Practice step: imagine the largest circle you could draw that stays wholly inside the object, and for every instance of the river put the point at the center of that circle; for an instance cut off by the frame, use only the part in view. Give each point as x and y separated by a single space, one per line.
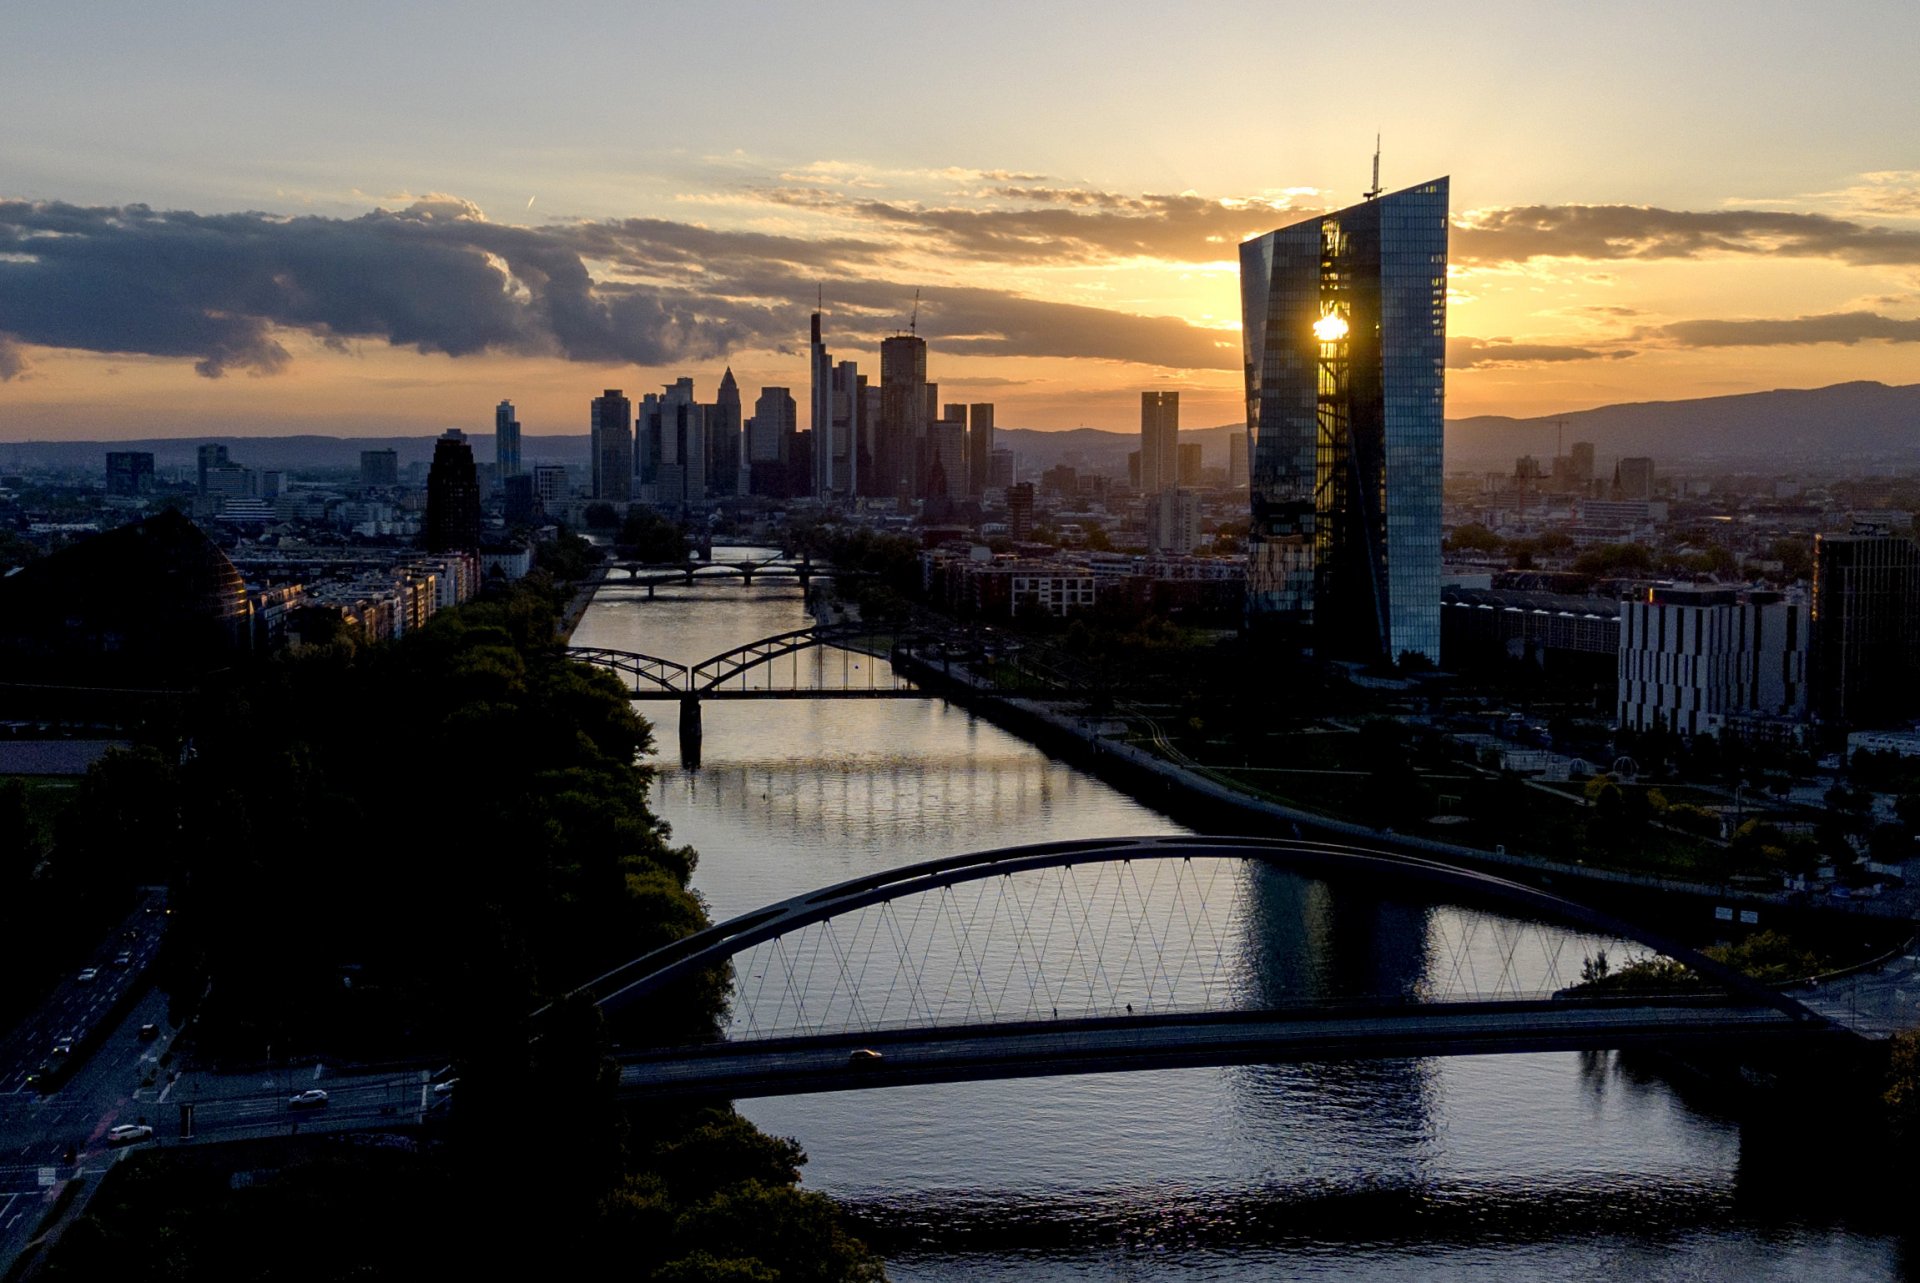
1562 1166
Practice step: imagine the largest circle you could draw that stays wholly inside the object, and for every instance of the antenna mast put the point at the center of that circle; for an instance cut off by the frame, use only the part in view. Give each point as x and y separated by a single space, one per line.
913 326
1373 193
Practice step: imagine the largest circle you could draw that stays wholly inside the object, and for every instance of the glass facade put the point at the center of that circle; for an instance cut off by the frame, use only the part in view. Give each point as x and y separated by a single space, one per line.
1345 324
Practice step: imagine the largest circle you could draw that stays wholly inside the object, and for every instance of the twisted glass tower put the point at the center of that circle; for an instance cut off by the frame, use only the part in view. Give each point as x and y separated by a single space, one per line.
1345 327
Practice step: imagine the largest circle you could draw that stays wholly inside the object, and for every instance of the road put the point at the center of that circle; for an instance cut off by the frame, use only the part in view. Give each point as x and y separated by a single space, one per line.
1876 1004
798 1065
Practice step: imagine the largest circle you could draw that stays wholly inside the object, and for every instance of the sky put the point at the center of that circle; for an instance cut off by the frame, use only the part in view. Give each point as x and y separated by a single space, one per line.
365 219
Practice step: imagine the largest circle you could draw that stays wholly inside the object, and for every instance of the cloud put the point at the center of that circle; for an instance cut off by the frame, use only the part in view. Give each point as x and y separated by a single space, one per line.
1475 354
438 277
1062 224
13 362
1614 232
1830 327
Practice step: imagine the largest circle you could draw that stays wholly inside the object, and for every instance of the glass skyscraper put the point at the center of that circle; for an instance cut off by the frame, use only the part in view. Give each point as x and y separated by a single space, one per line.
1345 328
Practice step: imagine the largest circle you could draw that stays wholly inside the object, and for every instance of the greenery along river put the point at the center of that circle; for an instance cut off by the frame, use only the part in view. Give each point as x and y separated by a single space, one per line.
1475 1168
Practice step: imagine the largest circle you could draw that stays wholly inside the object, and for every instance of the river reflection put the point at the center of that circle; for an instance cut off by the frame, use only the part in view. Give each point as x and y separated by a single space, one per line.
1472 1168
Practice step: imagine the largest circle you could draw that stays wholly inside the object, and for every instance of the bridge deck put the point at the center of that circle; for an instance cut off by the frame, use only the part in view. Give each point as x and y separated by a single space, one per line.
793 1066
878 692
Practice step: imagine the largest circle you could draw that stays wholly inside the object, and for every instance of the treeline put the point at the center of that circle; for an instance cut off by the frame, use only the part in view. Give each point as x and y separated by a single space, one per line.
404 848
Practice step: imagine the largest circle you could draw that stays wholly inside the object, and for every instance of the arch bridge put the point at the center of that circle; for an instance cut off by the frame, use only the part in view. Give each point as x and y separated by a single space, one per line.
1162 952
804 571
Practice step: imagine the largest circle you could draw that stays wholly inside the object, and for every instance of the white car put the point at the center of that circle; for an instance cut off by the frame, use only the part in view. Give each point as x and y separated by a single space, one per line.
88 976
311 1098
129 1134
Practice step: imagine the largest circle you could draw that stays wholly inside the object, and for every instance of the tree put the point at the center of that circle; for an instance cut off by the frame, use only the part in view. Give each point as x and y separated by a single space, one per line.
650 537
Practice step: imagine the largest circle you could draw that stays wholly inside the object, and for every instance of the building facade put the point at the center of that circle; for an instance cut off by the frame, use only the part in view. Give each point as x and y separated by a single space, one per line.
612 447
506 441
1344 326
129 473
1159 441
1692 657
979 446
1866 620
453 496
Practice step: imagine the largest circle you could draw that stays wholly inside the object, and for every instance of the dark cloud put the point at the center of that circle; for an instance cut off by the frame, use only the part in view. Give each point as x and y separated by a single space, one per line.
1472 354
439 278
1641 232
1831 327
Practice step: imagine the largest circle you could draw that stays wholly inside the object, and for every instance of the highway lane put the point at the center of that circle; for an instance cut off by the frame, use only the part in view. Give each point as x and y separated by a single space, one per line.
793 1066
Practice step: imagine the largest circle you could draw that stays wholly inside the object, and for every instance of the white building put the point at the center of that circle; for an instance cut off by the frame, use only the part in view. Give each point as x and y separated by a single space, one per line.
1173 521
1693 656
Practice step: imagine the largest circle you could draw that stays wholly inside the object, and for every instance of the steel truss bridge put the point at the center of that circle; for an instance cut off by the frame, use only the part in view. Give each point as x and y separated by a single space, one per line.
803 571
1163 952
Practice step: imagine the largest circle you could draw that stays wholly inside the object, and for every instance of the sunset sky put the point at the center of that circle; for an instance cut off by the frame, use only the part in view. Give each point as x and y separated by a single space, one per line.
359 219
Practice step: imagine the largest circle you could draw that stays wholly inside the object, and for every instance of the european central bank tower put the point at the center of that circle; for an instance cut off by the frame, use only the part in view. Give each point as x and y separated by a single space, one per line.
1345 327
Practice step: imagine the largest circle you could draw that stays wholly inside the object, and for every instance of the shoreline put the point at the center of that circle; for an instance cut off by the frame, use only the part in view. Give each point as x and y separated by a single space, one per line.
576 607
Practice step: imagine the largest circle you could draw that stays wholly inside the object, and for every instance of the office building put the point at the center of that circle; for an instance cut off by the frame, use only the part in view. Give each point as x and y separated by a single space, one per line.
521 503
612 447
837 402
724 425
1866 627
999 468
1692 657
979 447
1344 326
1173 521
506 441
129 473
1191 461
1633 479
453 496
1020 510
903 414
211 457
551 488
378 468
1159 441
1237 460
946 456
672 448
770 442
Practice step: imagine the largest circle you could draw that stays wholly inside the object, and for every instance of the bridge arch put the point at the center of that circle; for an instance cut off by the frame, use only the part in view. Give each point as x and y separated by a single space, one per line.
660 674
710 674
1384 872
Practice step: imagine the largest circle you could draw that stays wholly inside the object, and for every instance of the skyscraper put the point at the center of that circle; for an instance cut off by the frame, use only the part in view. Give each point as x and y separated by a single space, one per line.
377 468
129 473
211 457
1344 324
506 441
672 447
612 447
903 413
1159 441
453 496
770 434
723 439
979 446
1865 665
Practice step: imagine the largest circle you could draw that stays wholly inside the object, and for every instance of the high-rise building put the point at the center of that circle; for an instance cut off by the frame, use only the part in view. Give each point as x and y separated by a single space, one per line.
724 424
520 500
1693 656
1159 441
1344 323
551 487
377 468
979 446
211 457
1633 478
129 473
1192 461
506 441
1866 627
1581 457
1173 521
999 468
1020 510
770 434
946 456
672 449
903 413
453 496
1237 460
612 447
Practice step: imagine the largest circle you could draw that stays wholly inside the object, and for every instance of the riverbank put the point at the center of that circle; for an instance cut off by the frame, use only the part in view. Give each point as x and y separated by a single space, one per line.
1198 799
577 605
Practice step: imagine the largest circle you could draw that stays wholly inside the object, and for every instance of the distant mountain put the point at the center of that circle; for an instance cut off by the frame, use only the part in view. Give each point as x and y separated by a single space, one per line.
1784 429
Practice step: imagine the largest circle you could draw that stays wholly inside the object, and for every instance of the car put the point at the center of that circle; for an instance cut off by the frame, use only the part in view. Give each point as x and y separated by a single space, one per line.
311 1098
123 959
64 1047
446 1088
88 976
129 1134
149 1031
864 1058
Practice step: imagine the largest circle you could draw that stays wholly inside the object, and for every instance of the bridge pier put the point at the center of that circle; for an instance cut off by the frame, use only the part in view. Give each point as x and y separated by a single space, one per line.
649 590
688 572
690 731
746 573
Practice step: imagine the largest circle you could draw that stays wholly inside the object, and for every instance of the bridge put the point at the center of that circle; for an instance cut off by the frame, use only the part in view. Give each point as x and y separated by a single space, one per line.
1161 952
654 574
726 675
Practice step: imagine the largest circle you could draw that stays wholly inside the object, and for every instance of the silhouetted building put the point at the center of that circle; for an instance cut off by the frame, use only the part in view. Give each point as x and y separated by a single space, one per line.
999 469
1191 462
506 441
1237 460
1344 321
904 414
453 497
152 601
770 434
947 456
1633 479
129 473
551 486
724 425
379 468
522 504
1866 628
1020 510
979 446
210 457
1159 441
612 446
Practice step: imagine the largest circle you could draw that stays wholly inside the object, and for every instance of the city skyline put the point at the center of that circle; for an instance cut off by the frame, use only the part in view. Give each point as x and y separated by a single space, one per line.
1732 208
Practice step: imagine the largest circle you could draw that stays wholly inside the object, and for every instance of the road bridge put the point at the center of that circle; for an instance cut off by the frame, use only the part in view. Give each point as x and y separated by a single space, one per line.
1142 953
653 575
